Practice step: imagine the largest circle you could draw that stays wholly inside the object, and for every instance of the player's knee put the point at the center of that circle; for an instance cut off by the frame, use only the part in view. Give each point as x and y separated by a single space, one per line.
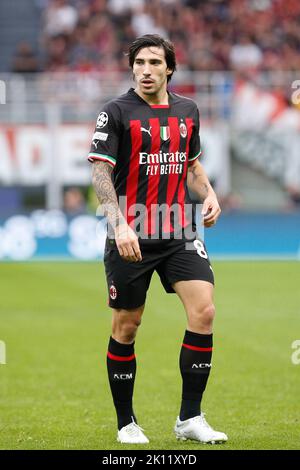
128 331
132 326
209 313
204 315
125 331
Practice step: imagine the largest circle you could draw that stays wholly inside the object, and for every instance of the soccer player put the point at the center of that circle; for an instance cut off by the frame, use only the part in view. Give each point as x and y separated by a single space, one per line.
145 152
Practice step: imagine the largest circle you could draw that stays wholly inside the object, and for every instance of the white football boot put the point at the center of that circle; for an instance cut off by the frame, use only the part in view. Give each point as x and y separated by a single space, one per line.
198 429
132 434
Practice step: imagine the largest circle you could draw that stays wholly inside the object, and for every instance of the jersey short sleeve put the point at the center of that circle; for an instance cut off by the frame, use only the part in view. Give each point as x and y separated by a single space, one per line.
195 146
105 141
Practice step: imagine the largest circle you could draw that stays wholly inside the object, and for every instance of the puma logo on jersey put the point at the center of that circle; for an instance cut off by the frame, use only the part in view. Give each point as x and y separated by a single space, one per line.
143 129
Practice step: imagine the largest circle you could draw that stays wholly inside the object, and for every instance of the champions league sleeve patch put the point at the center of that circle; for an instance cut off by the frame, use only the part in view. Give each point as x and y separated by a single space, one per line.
102 120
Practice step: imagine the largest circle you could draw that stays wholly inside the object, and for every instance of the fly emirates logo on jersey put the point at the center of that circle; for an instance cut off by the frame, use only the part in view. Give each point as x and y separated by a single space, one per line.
163 163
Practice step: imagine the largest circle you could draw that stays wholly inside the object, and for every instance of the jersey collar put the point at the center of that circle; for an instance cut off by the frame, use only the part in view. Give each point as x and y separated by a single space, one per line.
171 99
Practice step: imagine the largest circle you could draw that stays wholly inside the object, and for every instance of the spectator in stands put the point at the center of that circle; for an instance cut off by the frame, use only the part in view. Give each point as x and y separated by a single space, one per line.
74 202
245 54
60 18
57 54
85 54
144 20
119 7
25 60
209 35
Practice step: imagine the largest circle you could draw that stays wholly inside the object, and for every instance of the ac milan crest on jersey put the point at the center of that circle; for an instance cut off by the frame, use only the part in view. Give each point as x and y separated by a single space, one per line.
113 292
183 130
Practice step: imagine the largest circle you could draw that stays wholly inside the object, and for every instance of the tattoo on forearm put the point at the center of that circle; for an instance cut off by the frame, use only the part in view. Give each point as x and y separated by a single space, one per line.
106 193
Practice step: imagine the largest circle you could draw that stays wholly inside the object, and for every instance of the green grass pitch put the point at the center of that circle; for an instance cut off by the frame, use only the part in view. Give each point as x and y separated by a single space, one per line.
55 323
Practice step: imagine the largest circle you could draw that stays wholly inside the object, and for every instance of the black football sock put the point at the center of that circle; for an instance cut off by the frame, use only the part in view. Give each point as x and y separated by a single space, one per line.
121 368
195 365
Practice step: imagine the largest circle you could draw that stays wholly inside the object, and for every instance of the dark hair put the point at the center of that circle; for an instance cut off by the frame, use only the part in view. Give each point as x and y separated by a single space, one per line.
149 40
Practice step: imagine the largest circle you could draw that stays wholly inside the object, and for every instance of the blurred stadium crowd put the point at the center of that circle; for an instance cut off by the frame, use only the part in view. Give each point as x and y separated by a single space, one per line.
244 55
92 35
62 59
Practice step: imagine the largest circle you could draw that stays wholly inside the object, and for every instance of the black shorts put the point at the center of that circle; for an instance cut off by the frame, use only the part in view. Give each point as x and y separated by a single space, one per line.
128 282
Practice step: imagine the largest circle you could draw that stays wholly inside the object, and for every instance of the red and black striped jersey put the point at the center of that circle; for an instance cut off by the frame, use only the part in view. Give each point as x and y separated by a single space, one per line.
149 148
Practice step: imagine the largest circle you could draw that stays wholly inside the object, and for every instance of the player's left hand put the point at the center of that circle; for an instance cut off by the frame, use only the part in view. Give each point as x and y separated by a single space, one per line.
210 211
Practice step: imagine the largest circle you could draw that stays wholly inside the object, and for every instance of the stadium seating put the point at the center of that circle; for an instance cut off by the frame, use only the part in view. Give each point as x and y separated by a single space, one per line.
19 21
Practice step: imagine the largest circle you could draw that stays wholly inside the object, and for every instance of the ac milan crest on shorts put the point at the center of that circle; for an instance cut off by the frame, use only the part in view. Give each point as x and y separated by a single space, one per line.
113 292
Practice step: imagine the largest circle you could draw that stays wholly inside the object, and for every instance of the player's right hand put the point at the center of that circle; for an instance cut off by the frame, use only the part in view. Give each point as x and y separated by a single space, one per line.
127 243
